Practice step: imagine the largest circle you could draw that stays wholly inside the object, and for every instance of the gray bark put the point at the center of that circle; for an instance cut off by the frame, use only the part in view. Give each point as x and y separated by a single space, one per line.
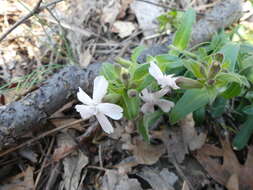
32 111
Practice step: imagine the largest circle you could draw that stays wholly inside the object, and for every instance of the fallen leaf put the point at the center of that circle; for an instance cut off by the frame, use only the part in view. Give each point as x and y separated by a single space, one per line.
124 6
233 183
85 58
226 173
17 184
185 186
158 180
123 28
174 143
146 14
190 136
116 181
145 153
73 164
110 12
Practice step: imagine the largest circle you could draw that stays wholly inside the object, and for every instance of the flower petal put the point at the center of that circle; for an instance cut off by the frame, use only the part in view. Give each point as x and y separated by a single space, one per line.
85 111
155 71
100 88
83 97
105 123
165 105
161 92
112 110
147 108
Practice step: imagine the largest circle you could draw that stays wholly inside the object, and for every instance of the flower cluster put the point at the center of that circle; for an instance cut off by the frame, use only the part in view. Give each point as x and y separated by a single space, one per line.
95 107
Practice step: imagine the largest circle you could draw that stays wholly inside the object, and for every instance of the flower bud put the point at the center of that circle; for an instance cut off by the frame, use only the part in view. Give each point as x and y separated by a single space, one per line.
132 93
125 63
214 70
125 78
187 83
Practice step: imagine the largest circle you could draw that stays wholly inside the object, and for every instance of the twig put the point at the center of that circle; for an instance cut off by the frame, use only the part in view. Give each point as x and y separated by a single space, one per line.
39 137
37 9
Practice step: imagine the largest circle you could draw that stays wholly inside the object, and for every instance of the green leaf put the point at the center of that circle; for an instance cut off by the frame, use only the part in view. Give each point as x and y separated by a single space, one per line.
140 71
189 102
183 34
232 77
136 53
145 82
218 107
248 110
234 89
230 52
242 138
108 71
194 68
143 130
148 120
199 115
131 106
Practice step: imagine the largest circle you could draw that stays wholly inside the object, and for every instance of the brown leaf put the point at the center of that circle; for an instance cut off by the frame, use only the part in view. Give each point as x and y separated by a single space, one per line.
123 28
174 143
145 153
190 136
233 183
225 173
158 179
185 186
110 12
18 184
114 180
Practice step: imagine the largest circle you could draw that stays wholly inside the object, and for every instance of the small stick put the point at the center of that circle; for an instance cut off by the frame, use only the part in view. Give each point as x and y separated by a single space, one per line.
39 137
37 9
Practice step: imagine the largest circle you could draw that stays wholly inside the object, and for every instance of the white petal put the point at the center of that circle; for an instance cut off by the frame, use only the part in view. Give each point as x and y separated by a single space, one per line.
100 88
161 92
165 105
85 111
83 97
105 123
112 110
155 71
147 108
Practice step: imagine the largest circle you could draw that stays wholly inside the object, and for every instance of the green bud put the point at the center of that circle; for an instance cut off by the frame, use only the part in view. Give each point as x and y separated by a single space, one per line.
112 98
210 82
133 85
125 78
187 83
214 70
132 93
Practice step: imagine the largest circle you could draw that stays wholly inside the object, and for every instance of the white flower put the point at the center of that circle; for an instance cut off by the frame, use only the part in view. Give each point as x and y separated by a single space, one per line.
152 99
96 107
165 81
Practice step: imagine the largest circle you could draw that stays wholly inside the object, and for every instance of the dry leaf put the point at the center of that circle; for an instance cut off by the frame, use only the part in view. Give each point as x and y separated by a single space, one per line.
146 14
185 186
85 58
145 153
110 12
230 169
158 180
123 28
174 143
190 136
18 184
73 164
124 6
116 181
233 183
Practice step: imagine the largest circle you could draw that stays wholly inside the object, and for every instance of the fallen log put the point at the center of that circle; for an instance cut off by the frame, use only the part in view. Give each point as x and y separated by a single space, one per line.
17 118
